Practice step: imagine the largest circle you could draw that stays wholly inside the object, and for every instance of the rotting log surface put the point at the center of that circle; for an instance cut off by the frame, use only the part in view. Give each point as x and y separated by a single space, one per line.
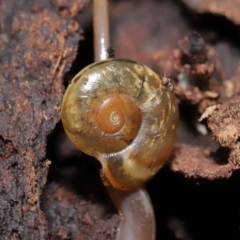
36 48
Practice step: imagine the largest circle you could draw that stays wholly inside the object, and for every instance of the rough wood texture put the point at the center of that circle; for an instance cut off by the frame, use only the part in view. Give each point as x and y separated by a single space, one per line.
37 48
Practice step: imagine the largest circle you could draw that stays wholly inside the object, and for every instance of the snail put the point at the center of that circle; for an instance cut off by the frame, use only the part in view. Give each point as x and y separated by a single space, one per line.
121 113
125 115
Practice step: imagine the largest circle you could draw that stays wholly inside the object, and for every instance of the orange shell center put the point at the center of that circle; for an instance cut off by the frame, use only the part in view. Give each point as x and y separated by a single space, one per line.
111 115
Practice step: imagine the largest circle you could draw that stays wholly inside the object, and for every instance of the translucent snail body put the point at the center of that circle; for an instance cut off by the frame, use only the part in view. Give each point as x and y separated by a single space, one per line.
123 114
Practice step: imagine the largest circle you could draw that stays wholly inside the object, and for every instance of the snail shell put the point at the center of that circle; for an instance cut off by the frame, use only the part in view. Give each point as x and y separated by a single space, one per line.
121 113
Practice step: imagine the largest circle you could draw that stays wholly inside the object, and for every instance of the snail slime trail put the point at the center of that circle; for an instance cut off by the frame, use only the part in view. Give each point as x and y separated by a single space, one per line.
123 114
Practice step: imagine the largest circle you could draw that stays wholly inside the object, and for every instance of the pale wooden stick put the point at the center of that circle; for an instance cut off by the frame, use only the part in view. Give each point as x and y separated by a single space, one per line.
101 29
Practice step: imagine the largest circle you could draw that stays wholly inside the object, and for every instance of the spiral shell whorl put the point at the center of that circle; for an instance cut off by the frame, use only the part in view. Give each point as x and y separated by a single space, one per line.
120 112
110 117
